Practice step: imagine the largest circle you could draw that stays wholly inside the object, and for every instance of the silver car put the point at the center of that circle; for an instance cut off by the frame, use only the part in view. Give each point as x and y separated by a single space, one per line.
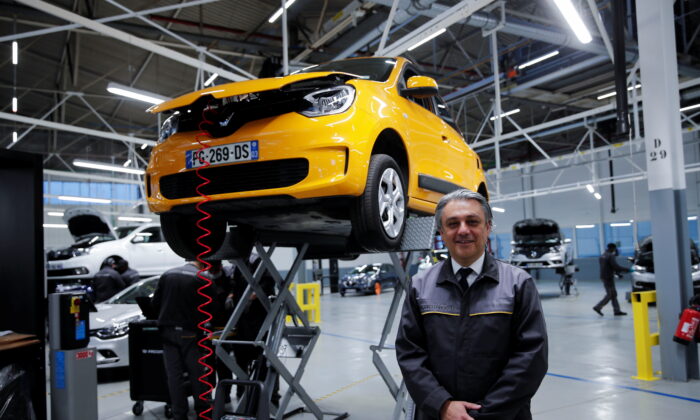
109 326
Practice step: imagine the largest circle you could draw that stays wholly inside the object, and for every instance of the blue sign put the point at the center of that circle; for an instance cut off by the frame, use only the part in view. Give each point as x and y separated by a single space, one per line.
59 376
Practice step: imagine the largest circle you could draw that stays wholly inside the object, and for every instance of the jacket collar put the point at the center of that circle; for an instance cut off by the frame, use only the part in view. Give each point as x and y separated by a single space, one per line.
489 270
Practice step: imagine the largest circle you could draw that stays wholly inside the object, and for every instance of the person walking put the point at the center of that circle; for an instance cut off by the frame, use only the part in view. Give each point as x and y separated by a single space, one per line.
472 341
608 268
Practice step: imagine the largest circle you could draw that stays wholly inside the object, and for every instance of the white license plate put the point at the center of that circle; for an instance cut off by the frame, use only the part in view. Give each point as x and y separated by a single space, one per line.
226 153
535 265
55 266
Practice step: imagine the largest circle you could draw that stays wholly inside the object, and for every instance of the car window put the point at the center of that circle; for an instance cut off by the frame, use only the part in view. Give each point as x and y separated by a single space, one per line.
129 295
409 72
443 112
377 69
151 234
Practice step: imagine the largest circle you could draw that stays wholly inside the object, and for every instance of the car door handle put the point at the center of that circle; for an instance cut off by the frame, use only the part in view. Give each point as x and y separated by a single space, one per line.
445 139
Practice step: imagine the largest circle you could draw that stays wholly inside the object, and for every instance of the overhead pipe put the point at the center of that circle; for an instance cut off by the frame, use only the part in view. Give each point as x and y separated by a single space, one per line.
623 124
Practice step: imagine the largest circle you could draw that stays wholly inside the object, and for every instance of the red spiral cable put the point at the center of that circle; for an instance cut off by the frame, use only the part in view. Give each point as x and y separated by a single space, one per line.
204 342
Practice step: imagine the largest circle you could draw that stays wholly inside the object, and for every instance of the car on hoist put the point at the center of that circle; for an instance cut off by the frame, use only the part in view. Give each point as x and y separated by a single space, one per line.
336 155
643 273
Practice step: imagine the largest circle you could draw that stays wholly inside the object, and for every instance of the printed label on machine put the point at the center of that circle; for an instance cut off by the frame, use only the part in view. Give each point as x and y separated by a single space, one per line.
226 153
60 370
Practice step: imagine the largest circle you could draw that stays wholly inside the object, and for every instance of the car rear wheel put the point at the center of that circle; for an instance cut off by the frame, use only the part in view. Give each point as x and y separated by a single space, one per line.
379 215
181 233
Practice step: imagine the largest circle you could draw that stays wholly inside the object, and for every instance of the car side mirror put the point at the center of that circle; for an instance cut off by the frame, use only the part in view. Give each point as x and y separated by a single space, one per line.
420 87
567 240
138 239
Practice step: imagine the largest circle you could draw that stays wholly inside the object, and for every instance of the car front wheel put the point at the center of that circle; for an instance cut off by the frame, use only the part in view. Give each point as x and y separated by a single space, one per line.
379 215
181 233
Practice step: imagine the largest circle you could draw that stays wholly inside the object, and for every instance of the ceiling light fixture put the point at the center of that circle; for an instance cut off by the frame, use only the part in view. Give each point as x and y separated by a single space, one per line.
574 20
15 53
139 95
211 79
620 224
106 167
84 199
55 225
135 219
14 137
55 213
14 104
498 209
505 114
590 189
127 163
689 107
585 226
692 217
609 94
538 59
279 11
144 146
597 196
423 41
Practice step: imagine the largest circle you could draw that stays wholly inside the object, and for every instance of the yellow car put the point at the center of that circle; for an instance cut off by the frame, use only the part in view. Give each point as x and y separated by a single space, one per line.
336 155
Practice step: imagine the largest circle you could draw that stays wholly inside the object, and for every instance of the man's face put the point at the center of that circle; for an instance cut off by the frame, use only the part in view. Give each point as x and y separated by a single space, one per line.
464 230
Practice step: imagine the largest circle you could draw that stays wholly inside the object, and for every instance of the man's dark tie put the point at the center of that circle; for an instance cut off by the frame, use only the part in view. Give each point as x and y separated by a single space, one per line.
462 275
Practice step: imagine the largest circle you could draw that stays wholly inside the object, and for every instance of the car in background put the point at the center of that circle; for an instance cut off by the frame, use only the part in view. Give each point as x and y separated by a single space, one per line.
335 155
142 246
643 275
539 244
369 278
109 326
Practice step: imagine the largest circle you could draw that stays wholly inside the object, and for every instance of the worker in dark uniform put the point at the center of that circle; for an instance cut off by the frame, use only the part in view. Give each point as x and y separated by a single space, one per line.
176 299
129 275
107 282
472 342
608 268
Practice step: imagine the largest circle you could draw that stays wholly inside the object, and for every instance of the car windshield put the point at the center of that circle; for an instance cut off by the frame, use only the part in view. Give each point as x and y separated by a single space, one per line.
364 269
533 234
377 69
128 296
123 231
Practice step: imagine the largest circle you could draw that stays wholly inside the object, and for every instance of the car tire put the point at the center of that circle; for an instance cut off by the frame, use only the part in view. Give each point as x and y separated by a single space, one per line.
379 214
181 233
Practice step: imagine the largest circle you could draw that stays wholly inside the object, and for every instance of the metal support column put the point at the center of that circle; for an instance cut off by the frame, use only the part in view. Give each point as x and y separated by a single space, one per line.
666 178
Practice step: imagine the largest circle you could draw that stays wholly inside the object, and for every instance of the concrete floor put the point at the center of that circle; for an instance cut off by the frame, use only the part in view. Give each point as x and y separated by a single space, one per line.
591 362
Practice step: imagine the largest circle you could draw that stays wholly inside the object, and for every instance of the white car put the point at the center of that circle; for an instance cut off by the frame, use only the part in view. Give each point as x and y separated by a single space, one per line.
142 246
109 326
643 276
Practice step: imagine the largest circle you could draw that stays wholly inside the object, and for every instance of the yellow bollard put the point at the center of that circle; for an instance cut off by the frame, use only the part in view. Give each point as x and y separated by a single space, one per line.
643 338
308 296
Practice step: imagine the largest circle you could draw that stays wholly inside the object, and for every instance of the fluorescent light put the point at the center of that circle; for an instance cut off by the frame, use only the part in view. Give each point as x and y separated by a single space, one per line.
278 13
14 104
585 226
211 79
127 163
631 220
597 196
106 167
55 213
135 219
692 217
140 95
14 137
55 225
84 199
590 189
498 209
144 146
689 107
574 20
538 59
620 224
505 114
15 53
613 93
419 43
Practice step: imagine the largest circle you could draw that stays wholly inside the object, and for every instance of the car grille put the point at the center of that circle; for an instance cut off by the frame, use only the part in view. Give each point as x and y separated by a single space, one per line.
236 178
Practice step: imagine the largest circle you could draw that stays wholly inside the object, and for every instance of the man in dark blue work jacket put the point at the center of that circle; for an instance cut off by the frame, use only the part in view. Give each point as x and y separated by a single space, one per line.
472 342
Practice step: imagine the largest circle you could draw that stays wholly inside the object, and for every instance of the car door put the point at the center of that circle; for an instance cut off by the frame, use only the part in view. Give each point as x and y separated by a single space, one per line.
149 253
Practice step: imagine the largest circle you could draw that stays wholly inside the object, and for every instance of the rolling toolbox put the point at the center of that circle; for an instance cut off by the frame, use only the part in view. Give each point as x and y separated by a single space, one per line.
147 378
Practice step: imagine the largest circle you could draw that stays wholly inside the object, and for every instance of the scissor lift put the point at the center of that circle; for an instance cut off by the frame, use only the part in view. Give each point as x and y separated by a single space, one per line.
276 339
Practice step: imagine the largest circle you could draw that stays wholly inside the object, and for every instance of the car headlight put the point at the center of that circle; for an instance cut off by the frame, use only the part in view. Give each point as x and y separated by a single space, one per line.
639 269
329 101
77 252
168 128
696 267
554 249
118 329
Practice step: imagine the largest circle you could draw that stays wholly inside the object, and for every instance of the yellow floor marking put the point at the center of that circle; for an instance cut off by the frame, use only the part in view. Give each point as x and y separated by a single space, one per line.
346 387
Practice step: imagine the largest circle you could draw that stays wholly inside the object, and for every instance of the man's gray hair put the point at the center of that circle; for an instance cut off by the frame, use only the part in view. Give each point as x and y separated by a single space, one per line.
462 194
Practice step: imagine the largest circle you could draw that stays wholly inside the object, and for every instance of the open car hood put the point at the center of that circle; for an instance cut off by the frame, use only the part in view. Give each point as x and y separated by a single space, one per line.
83 221
244 87
533 230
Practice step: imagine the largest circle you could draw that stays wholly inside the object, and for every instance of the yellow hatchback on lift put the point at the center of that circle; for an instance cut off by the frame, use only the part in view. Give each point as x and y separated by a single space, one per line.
336 155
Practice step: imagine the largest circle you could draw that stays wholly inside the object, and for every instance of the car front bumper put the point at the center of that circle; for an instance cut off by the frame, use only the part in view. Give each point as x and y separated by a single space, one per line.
549 260
111 353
